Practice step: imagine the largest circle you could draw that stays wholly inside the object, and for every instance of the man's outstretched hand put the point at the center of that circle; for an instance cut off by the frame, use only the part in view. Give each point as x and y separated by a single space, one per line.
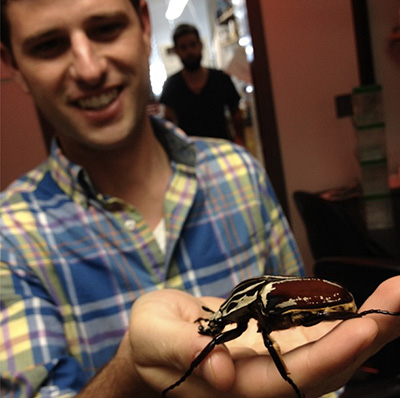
163 340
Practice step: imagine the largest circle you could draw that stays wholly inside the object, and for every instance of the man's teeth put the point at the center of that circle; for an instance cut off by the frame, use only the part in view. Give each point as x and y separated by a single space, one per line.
98 101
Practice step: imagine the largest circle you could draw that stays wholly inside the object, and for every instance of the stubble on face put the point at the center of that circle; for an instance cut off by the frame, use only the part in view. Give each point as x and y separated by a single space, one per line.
192 63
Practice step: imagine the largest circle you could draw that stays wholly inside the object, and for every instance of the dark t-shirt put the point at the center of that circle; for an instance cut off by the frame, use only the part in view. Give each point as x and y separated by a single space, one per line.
202 114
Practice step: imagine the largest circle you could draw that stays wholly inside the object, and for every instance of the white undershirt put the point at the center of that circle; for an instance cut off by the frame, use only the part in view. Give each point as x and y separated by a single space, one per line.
160 236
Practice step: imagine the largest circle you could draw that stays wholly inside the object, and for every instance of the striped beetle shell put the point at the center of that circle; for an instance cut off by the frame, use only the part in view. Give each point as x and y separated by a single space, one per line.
279 302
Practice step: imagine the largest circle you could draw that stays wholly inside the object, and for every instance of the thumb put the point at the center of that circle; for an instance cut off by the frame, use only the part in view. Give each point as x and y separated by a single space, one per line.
216 367
197 356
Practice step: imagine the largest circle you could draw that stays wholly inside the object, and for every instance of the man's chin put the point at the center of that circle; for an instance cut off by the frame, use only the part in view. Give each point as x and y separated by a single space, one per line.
192 66
192 69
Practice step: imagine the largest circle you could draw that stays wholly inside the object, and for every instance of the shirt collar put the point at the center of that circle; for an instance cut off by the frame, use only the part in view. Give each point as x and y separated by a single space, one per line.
76 183
179 147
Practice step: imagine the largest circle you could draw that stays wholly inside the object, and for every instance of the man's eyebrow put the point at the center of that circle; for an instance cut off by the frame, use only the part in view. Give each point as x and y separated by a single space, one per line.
107 15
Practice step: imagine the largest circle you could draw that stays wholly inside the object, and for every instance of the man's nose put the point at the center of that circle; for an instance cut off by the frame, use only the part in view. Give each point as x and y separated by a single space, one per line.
87 65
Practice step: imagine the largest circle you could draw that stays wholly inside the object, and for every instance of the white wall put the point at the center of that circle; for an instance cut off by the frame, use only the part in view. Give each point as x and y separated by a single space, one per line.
312 56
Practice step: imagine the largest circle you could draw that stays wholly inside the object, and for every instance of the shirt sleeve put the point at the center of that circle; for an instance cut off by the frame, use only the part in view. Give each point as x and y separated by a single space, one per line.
167 95
232 96
36 360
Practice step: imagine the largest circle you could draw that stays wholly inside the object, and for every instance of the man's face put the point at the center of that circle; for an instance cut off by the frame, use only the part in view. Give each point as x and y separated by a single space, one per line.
85 62
189 49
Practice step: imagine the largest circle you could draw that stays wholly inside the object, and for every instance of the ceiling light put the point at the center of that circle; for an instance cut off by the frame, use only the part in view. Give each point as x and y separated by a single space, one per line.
175 9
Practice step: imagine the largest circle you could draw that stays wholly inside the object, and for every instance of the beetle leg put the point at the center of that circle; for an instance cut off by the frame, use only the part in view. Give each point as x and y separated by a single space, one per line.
204 319
384 312
219 339
279 363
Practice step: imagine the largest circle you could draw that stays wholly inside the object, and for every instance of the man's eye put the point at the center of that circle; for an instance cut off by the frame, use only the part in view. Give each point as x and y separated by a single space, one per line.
107 31
49 48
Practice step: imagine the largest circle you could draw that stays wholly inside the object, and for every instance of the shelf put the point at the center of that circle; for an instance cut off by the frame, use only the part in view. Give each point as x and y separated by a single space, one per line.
226 16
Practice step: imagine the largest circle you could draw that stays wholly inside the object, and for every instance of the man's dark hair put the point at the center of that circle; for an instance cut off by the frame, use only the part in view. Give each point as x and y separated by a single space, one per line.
183 30
5 28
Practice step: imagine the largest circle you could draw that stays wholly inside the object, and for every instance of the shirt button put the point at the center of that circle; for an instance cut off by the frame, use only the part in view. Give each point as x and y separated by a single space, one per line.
130 225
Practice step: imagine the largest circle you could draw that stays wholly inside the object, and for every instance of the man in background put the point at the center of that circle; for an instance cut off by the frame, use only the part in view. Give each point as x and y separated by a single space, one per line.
197 98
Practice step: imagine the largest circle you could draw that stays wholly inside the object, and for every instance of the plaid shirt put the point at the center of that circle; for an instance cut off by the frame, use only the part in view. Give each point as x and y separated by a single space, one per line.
73 261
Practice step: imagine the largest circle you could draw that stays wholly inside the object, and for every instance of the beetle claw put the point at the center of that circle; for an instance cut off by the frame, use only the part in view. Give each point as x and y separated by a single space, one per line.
207 309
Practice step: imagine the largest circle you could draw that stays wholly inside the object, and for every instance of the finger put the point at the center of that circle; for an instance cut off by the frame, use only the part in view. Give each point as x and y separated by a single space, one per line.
174 313
386 297
313 367
337 356
216 369
168 347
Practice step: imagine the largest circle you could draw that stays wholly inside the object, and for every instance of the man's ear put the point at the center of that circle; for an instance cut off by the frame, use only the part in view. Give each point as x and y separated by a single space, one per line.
144 16
9 61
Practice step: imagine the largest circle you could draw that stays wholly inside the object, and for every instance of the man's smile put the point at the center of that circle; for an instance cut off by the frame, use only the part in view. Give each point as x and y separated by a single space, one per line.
98 101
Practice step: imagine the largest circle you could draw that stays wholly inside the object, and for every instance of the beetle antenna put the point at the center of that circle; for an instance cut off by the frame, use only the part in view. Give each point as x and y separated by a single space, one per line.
207 309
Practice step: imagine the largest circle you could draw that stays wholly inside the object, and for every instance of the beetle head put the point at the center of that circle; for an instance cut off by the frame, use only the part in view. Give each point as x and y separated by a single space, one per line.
216 324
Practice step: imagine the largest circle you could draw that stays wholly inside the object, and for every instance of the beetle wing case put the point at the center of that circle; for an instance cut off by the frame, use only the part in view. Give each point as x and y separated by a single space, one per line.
304 293
302 301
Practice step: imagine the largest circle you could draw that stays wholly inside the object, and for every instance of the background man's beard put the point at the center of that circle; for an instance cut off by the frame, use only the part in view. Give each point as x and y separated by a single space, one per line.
192 64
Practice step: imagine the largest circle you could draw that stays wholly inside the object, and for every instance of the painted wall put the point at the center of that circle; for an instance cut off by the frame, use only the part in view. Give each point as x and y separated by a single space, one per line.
312 56
313 59
384 16
21 143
